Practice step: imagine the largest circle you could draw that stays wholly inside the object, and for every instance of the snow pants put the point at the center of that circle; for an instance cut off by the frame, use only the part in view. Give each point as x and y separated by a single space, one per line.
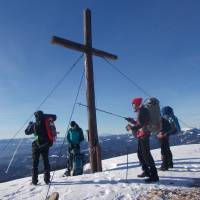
166 154
145 157
42 150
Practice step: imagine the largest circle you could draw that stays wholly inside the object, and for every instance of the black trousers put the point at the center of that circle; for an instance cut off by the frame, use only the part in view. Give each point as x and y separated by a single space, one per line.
145 157
166 154
42 150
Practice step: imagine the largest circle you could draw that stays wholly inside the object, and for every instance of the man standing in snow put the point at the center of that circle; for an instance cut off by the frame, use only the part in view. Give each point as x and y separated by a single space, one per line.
139 129
40 146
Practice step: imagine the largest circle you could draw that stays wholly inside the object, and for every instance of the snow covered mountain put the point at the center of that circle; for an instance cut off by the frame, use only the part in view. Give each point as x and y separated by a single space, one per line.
119 180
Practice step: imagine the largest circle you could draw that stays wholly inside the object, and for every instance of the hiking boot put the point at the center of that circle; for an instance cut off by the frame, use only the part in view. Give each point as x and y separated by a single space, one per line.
47 177
152 179
67 173
47 181
163 168
142 175
34 183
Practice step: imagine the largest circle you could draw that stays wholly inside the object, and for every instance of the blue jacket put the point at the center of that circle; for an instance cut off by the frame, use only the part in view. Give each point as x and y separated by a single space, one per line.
75 136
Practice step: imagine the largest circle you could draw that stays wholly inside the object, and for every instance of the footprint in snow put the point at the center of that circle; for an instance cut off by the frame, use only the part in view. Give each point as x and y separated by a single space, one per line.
32 189
13 185
97 185
120 197
102 193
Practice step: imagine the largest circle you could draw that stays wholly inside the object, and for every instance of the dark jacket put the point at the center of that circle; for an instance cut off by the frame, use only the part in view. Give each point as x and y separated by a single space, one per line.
39 130
167 127
142 122
143 117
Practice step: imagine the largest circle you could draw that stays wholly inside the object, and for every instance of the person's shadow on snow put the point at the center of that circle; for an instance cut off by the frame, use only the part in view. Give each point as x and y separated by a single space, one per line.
187 165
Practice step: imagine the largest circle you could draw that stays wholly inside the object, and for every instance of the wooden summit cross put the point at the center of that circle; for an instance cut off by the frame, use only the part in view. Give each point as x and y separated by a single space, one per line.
95 150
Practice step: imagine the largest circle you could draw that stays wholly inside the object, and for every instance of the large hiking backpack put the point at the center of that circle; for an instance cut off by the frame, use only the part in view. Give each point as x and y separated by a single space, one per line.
153 107
168 113
78 162
50 128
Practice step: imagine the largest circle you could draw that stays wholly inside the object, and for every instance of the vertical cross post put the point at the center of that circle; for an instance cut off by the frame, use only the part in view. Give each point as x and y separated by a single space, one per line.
90 94
89 51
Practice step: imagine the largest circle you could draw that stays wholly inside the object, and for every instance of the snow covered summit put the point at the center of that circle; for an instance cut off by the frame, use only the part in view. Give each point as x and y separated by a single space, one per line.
112 182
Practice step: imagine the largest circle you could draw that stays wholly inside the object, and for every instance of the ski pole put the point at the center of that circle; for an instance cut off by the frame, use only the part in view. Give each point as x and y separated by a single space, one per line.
80 104
19 144
126 164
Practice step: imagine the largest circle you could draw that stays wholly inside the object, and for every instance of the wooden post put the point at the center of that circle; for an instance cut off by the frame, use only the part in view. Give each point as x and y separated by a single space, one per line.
90 95
95 149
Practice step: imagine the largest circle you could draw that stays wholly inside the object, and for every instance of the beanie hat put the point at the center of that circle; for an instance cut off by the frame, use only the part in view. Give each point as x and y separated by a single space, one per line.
167 110
137 101
73 124
39 114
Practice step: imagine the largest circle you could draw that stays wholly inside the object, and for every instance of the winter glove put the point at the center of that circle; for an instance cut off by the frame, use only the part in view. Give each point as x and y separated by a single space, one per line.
161 136
30 129
135 128
130 120
128 127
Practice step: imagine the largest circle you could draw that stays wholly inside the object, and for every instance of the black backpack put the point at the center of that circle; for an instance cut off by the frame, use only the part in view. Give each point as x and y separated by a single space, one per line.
168 127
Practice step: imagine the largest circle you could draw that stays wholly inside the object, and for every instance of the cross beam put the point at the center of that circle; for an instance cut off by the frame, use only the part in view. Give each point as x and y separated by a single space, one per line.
83 48
95 149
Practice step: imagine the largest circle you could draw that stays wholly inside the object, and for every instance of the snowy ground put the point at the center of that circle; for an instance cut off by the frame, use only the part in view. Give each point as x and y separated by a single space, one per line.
111 183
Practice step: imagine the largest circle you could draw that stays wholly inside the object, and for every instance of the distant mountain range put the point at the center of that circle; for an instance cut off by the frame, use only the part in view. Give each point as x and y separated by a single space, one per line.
111 145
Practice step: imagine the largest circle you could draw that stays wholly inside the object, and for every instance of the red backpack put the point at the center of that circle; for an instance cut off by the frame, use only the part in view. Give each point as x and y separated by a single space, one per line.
50 127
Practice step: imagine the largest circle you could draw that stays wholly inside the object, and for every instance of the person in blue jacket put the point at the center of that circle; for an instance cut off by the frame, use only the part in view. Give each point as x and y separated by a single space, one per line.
74 138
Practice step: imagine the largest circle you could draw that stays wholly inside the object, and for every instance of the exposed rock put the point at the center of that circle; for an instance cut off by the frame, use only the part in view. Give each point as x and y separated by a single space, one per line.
172 194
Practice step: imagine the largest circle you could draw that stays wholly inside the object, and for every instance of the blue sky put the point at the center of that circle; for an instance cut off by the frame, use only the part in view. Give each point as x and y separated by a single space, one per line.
157 43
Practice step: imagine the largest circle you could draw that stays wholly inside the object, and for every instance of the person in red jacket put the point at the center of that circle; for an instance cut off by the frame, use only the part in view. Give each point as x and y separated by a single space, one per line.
140 131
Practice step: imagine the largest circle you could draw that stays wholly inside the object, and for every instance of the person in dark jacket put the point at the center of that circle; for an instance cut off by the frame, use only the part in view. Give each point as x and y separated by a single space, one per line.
168 113
40 146
163 137
74 138
140 131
